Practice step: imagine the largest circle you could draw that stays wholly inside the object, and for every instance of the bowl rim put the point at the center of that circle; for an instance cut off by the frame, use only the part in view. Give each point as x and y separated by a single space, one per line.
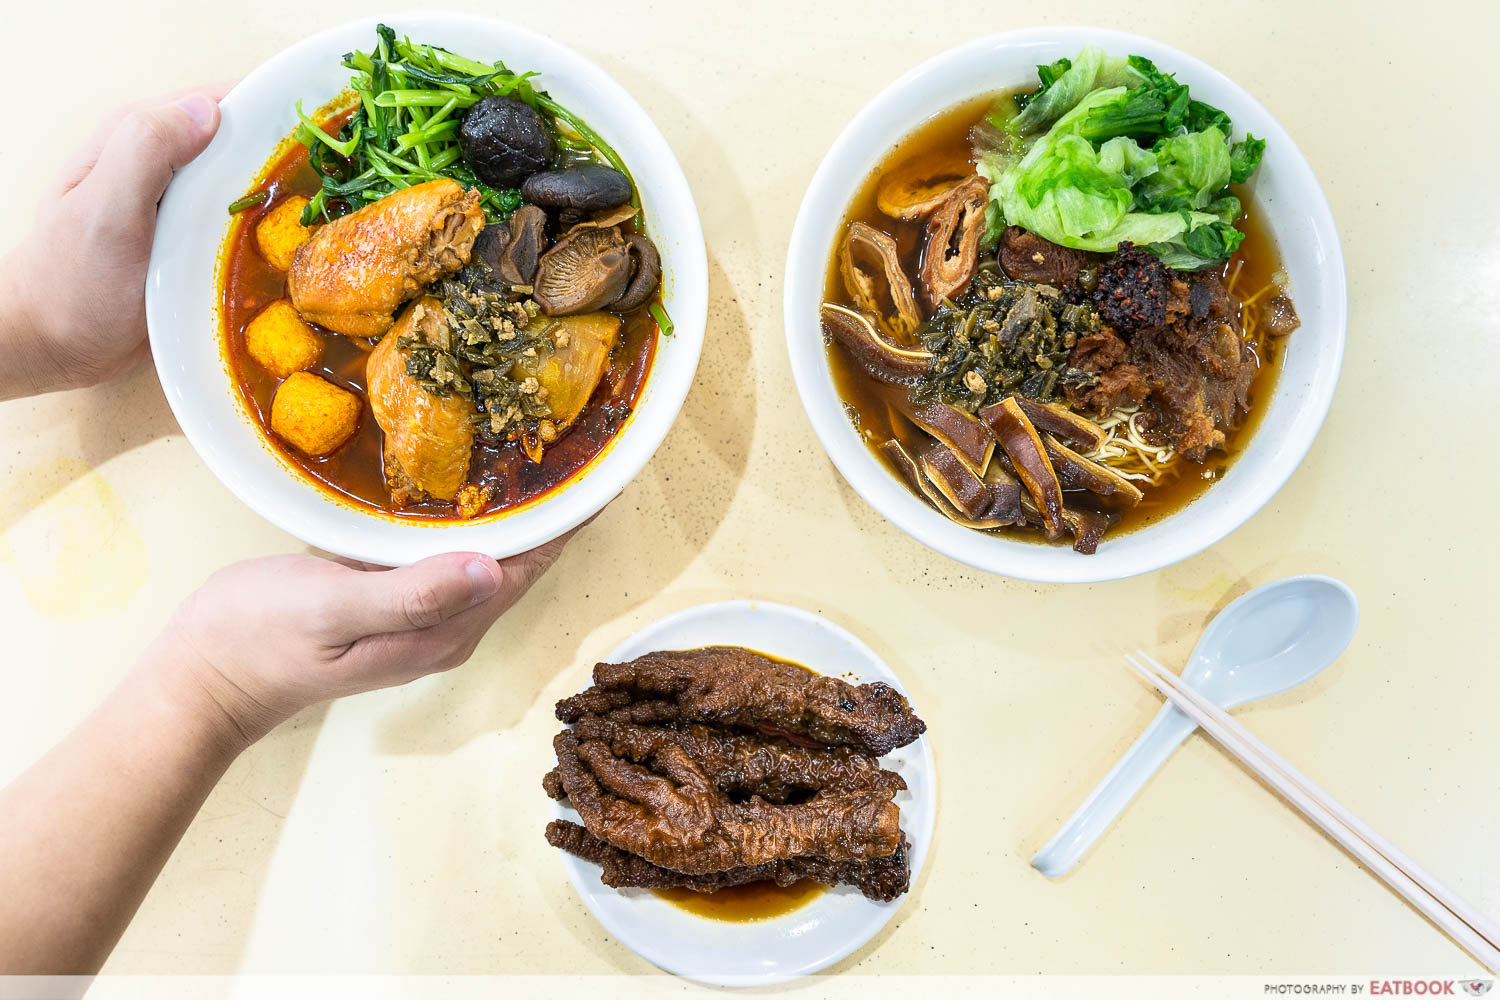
370 535
806 263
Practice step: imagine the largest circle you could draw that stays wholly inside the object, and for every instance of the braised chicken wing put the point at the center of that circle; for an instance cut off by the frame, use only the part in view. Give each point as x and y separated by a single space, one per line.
357 270
428 438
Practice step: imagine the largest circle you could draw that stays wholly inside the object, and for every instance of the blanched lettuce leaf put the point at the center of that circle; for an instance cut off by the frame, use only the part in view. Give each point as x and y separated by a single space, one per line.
1190 169
1136 160
1061 93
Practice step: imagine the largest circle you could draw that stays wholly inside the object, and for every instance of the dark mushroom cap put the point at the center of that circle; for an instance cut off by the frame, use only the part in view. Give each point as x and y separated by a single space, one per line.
490 245
528 240
505 141
586 270
645 275
586 188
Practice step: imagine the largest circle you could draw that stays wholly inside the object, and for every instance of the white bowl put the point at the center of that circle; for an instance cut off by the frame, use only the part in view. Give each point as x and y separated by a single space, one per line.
1285 194
183 314
832 925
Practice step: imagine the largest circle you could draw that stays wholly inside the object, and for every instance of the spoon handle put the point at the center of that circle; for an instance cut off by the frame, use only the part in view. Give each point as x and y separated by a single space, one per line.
1110 797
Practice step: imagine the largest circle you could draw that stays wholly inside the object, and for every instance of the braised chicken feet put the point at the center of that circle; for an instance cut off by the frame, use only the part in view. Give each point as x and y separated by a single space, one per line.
673 816
727 685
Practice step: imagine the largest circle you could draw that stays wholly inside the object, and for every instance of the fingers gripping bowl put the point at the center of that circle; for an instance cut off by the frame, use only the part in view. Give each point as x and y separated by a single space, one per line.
930 335
186 312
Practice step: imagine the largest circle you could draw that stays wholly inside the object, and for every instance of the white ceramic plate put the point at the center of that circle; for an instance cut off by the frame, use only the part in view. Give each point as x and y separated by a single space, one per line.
833 924
1284 193
182 308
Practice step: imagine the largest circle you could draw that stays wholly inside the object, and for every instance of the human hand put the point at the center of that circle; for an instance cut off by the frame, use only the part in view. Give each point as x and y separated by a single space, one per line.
72 294
268 637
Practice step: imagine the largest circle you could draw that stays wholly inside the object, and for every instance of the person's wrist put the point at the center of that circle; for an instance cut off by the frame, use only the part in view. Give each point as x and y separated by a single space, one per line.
227 716
30 366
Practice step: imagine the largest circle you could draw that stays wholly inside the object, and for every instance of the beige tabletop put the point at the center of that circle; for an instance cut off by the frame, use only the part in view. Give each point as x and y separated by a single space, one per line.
402 831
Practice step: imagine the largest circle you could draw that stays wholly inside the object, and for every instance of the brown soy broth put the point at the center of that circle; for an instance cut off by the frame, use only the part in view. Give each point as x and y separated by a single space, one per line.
744 903
355 472
944 140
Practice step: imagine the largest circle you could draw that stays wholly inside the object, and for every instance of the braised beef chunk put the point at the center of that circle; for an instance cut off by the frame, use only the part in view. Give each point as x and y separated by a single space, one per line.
1193 370
1025 256
1115 383
1280 315
1132 290
1098 352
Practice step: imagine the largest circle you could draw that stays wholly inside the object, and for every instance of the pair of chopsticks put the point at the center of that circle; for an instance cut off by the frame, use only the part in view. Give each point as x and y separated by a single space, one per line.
1454 915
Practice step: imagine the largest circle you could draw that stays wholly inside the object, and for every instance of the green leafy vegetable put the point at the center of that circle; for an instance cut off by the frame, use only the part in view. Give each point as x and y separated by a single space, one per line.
1048 74
1244 157
404 130
1108 150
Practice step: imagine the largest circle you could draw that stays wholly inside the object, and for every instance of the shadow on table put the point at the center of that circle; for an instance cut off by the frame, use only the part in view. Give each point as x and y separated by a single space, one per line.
199 902
639 544
107 421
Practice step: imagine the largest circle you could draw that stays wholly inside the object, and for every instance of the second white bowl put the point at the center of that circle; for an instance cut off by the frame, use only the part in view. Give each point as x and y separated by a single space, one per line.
1285 194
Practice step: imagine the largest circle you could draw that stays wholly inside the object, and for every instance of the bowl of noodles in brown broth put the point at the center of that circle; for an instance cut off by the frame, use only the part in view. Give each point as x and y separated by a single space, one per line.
1059 343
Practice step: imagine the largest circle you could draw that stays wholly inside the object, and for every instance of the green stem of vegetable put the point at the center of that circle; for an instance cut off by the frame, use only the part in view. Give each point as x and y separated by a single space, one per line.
312 130
444 59
235 207
422 136
422 98
441 114
446 158
663 321
316 208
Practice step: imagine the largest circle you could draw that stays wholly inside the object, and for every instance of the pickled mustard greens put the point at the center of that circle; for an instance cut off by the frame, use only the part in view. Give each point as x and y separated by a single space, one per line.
1108 150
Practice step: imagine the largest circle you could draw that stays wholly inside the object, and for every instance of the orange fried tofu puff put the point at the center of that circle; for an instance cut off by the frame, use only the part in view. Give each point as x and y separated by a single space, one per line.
312 415
280 232
280 342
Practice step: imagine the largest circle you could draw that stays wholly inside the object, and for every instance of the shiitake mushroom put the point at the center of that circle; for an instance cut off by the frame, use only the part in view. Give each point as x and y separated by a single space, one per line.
587 269
645 275
528 241
505 141
596 267
588 187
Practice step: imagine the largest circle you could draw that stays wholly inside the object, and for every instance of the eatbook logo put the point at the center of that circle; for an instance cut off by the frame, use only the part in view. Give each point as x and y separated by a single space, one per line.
1477 987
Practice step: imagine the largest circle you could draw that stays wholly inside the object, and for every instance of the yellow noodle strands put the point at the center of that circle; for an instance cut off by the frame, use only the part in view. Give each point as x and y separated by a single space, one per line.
1125 451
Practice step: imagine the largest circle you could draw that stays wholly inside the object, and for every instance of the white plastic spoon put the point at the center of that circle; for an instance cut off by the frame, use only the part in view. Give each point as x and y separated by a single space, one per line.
1266 642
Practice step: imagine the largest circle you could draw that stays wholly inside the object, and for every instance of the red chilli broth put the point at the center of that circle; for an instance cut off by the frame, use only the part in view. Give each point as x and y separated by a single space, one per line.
354 474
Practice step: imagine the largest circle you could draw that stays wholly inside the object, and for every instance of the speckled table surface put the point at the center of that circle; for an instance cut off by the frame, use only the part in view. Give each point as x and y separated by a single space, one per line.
401 831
